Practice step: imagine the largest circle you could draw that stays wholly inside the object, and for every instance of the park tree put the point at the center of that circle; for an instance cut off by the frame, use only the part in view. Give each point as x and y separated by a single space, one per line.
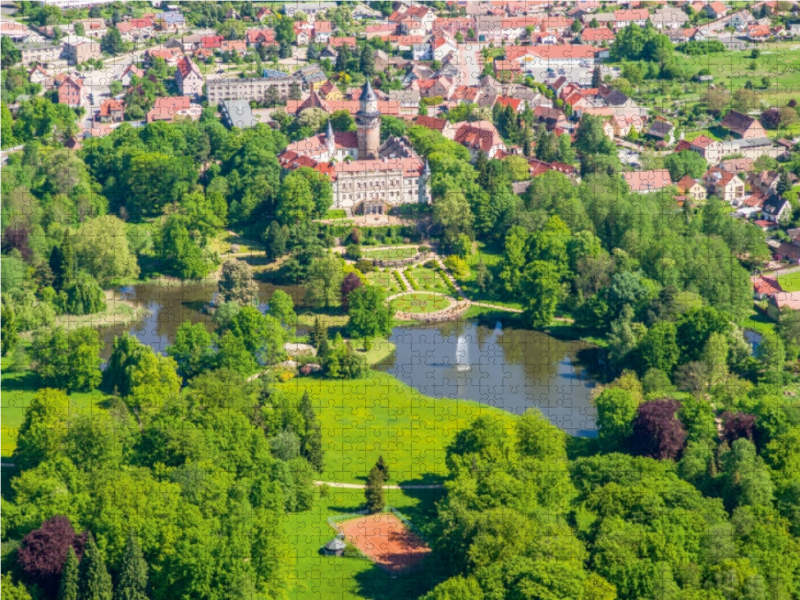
383 467
616 409
597 76
84 296
275 238
373 491
8 323
234 355
747 481
370 317
236 282
736 425
771 353
541 286
304 194
125 355
656 431
281 307
193 350
311 442
68 588
284 31
658 349
94 581
43 552
350 284
67 360
324 281
102 249
132 577
62 262
392 126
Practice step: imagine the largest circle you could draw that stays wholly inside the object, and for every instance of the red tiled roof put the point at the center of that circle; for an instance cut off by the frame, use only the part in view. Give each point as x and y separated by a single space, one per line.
506 101
648 180
109 105
597 34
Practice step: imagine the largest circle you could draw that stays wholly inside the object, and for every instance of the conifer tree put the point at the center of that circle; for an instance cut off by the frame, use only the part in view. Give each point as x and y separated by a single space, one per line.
384 467
133 573
69 578
373 492
94 582
62 263
311 448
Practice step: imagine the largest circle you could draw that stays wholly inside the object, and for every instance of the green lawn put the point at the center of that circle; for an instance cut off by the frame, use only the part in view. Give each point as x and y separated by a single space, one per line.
420 302
380 415
336 213
385 280
758 322
429 280
394 253
790 282
337 578
18 390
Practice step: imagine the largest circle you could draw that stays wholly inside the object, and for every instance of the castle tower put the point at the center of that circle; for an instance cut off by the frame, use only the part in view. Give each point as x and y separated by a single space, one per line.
368 122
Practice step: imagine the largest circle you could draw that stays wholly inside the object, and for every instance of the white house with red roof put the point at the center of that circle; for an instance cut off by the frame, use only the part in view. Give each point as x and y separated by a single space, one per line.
188 78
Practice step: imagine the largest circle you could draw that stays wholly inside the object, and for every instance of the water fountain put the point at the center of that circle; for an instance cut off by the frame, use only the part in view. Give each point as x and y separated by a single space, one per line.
462 354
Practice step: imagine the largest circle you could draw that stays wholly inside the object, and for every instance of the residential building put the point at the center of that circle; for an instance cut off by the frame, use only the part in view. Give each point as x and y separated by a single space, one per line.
443 126
716 10
188 78
36 52
237 113
663 131
637 16
758 33
70 92
255 88
312 9
174 107
724 185
128 73
776 209
480 136
111 111
669 17
597 35
644 182
692 188
741 19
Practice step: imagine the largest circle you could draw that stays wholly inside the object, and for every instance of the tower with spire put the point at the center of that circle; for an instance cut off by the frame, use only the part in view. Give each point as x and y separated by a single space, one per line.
368 123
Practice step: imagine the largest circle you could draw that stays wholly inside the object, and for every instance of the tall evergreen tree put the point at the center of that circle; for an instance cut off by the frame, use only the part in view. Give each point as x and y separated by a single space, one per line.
94 582
311 448
373 492
62 262
69 578
133 573
381 464
367 62
597 77
275 241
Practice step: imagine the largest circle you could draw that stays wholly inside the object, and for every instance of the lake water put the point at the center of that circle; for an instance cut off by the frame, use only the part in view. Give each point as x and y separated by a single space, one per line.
512 369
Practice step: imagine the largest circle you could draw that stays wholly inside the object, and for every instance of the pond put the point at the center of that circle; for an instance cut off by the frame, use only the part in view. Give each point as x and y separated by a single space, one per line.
512 369
166 305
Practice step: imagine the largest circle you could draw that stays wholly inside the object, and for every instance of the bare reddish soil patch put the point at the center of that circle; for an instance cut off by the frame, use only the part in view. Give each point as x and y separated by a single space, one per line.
386 540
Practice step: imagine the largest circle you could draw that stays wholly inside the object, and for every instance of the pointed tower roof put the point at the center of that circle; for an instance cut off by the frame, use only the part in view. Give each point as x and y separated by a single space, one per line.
367 93
329 131
426 172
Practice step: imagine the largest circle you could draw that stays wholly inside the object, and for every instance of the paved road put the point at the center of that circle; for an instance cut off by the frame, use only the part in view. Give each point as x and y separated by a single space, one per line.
361 486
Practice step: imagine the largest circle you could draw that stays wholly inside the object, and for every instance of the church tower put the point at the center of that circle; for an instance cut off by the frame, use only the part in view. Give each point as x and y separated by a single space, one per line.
368 122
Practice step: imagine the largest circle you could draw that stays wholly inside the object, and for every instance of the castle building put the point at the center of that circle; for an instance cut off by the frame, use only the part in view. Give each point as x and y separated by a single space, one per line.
367 177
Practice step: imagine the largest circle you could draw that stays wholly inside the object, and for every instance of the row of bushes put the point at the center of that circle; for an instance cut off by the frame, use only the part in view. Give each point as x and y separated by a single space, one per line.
399 280
411 280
